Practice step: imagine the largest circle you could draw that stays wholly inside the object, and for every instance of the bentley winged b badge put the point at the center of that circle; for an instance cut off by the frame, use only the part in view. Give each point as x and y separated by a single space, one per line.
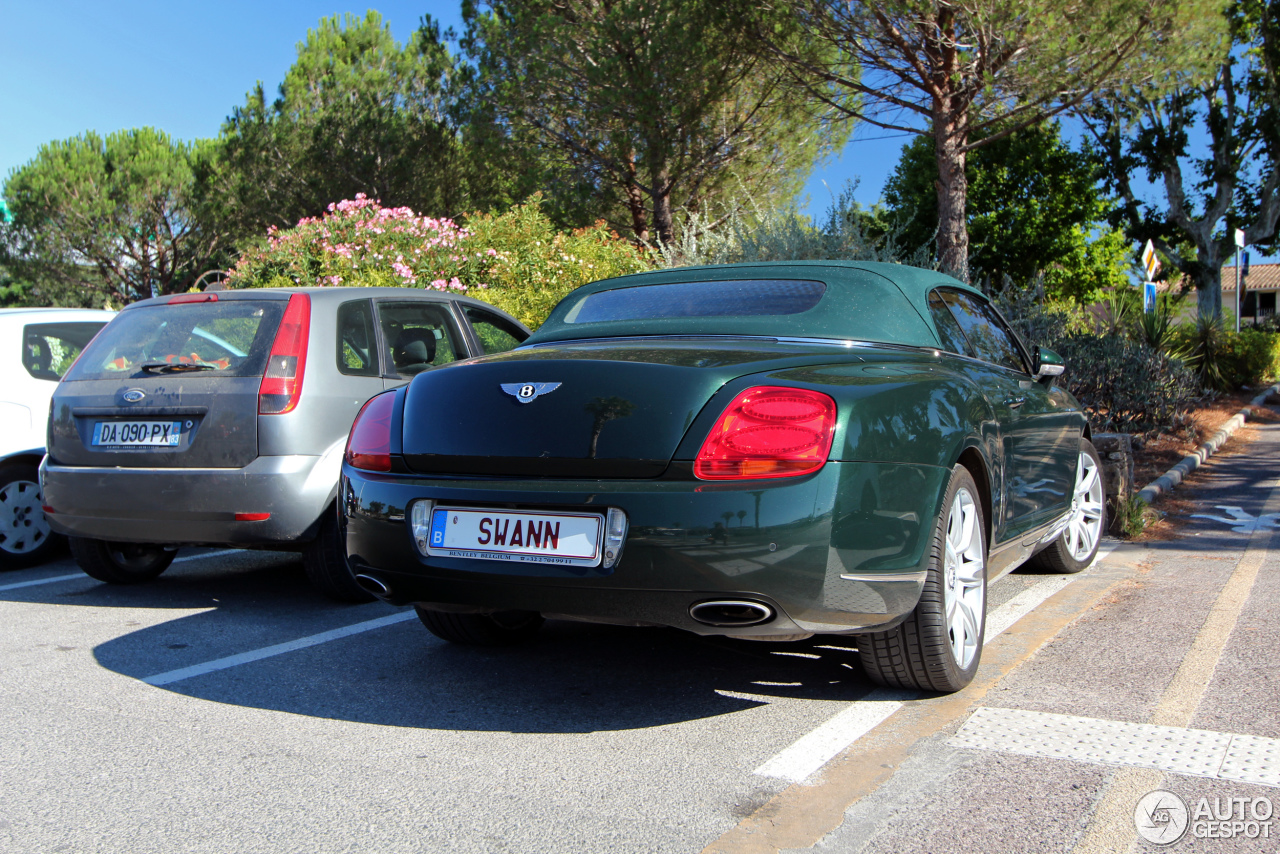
526 392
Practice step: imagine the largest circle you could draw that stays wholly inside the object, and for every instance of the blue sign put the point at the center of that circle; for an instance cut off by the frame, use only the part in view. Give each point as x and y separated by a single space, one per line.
1148 297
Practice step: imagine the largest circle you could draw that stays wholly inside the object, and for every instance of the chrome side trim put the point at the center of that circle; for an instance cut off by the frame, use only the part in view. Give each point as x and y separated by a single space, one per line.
915 576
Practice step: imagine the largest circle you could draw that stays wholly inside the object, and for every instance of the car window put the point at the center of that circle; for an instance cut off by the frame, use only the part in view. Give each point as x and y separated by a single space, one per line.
496 334
417 336
737 298
983 330
222 338
357 345
948 330
48 349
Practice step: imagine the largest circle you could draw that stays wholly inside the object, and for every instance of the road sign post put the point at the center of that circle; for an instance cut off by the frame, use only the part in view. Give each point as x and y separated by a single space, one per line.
1239 302
1150 264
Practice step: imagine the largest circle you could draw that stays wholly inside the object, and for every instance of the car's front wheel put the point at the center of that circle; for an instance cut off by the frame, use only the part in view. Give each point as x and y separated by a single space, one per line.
502 629
25 537
938 647
120 563
1075 548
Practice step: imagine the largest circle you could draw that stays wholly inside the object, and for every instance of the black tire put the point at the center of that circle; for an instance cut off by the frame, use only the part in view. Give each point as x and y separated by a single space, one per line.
1070 552
120 563
25 538
919 653
325 559
502 629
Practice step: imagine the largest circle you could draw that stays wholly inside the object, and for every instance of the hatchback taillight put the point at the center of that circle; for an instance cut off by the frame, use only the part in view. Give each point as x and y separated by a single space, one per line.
282 382
369 445
769 431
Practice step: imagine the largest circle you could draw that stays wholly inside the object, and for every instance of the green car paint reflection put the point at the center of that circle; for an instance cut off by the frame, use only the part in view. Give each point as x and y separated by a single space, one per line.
793 448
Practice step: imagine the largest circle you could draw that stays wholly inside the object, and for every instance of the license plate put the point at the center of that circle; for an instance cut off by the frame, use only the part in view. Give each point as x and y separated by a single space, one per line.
137 434
570 539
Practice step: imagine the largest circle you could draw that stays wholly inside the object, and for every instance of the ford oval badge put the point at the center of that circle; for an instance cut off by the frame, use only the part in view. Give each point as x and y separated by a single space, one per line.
527 392
133 395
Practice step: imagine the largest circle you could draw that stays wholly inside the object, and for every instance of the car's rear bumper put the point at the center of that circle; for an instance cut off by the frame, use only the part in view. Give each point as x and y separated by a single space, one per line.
839 551
190 505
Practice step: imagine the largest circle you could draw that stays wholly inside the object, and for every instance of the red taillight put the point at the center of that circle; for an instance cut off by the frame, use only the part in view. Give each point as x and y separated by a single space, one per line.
369 445
282 383
252 517
181 298
769 432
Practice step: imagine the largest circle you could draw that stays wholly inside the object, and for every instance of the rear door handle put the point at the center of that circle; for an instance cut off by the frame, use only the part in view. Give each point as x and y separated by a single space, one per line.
1014 402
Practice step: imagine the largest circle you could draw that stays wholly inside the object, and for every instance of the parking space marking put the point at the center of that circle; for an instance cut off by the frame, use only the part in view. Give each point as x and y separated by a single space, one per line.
218 553
171 676
74 575
799 761
811 751
1193 752
39 581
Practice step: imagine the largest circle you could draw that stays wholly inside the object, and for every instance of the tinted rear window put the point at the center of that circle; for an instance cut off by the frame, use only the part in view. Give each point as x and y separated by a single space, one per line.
225 338
736 298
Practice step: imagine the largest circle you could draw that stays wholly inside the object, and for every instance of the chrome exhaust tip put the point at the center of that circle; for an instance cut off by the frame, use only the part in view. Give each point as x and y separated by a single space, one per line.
731 613
373 585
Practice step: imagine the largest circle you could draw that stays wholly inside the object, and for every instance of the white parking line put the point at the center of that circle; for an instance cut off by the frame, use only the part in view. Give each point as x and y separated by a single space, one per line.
820 746
172 676
811 751
218 553
74 575
43 581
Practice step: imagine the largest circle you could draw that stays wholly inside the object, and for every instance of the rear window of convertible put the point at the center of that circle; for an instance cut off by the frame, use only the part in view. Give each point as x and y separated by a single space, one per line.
224 338
735 298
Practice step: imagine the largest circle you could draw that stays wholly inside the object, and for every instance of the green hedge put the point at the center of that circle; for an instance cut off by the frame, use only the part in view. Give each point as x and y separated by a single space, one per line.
515 260
1251 357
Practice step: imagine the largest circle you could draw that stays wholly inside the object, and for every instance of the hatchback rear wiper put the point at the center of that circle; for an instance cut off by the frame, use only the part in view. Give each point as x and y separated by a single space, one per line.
175 368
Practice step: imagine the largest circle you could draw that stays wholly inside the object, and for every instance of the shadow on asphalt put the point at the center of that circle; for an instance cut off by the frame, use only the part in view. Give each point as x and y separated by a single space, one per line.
575 678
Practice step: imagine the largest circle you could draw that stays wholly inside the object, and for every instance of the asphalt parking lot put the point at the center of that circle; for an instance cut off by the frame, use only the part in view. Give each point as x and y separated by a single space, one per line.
227 707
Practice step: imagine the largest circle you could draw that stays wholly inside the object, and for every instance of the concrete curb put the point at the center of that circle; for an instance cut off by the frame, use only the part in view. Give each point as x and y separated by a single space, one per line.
1170 479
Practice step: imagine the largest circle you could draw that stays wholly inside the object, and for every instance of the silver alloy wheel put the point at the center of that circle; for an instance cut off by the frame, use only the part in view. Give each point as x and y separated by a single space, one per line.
1084 528
23 528
963 568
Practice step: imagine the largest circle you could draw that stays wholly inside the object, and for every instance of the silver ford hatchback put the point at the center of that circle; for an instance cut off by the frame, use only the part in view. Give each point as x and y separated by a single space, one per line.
221 418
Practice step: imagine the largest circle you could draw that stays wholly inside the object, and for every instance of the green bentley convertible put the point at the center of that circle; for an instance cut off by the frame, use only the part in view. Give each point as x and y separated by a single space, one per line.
763 451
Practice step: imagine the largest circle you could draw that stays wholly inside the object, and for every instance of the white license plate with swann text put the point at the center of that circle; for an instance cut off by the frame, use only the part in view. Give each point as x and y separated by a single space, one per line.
568 539
137 434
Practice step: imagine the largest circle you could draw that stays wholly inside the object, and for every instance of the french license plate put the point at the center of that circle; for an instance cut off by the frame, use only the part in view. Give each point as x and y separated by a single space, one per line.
570 539
137 434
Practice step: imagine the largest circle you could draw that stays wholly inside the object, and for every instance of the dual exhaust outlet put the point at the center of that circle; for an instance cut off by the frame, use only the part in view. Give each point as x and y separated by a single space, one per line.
721 613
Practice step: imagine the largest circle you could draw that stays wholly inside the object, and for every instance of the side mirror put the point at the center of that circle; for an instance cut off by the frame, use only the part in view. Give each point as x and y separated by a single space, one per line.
1047 364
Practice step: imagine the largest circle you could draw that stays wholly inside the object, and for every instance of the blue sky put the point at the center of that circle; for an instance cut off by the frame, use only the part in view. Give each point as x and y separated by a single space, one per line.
73 66
76 65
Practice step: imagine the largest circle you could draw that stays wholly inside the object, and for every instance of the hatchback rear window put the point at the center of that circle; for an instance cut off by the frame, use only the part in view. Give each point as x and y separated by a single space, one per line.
224 338
737 298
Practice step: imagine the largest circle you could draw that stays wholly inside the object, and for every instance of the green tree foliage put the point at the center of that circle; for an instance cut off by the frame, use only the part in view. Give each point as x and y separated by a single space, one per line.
653 105
111 219
1207 194
1033 206
359 113
969 74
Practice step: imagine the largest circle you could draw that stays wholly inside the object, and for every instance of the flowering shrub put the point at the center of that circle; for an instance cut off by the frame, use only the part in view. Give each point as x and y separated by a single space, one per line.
516 260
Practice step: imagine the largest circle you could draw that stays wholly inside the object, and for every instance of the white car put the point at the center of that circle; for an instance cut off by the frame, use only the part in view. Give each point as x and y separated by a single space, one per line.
37 345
